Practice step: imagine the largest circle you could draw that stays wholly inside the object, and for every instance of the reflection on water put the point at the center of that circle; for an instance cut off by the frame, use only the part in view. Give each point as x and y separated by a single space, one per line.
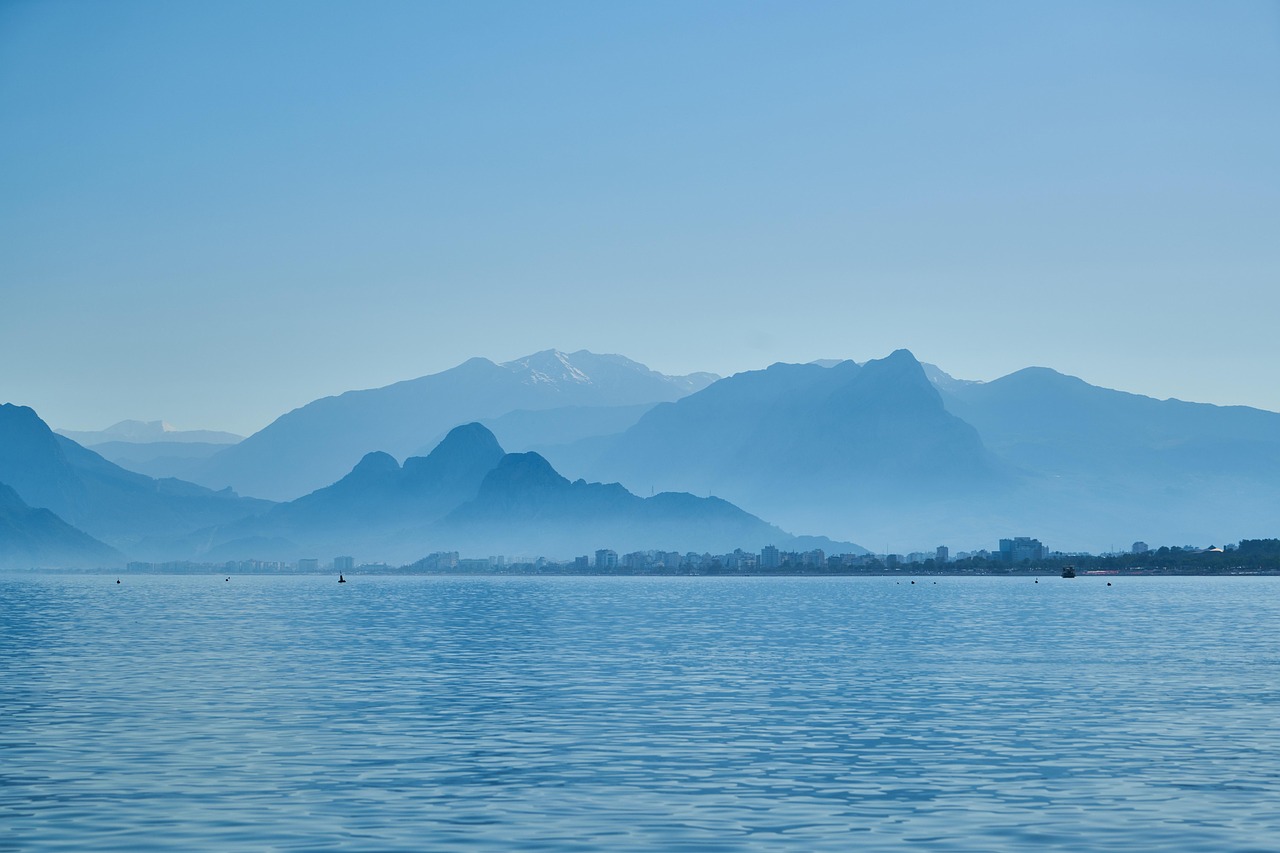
673 713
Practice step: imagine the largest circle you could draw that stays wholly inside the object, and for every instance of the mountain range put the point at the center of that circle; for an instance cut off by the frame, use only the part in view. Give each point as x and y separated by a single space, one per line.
148 432
469 495
32 537
892 452
1107 466
805 435
153 448
314 445
122 508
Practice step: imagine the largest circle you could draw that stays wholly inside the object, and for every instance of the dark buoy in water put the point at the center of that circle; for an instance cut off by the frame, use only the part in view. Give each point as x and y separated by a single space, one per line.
117 580
1037 580
913 583
1108 583
341 579
228 578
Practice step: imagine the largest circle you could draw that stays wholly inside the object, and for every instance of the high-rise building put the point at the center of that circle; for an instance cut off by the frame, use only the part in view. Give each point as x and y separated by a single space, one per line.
1140 547
769 557
943 555
606 559
816 558
635 561
1021 548
344 564
308 564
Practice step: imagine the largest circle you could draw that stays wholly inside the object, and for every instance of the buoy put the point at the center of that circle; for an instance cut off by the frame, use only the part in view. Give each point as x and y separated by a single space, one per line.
1108 583
117 580
341 579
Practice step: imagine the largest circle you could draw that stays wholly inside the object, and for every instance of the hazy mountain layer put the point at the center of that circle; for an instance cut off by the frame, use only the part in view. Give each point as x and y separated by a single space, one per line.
118 506
369 508
143 432
524 430
525 506
37 538
903 456
158 458
316 444
1111 467
839 448
466 495
892 452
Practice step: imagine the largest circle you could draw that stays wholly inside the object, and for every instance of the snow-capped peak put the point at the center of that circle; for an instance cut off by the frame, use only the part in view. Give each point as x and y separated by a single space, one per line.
550 367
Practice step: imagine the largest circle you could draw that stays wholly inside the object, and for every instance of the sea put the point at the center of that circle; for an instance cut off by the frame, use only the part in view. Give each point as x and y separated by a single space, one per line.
638 713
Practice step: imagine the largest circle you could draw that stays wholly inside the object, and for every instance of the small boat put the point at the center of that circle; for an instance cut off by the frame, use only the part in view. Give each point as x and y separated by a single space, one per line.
1069 571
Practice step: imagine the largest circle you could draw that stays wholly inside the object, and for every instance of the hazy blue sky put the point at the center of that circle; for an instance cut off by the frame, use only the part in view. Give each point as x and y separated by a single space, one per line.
215 212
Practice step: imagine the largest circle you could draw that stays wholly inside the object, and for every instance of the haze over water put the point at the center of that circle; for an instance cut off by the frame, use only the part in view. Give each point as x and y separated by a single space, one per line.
672 713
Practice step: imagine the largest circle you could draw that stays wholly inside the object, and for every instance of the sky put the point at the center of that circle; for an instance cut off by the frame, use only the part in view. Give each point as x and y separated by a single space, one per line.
212 213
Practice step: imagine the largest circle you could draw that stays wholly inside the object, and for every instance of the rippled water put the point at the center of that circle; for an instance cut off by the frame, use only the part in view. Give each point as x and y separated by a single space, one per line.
673 713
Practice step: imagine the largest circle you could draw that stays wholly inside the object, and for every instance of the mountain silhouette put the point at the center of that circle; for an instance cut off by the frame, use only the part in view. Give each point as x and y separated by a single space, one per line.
379 491
890 452
896 451
839 448
145 432
468 495
37 538
1115 467
525 505
117 506
315 444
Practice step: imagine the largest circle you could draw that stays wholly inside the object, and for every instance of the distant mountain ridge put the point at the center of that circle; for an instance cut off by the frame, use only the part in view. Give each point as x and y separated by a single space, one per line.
898 451
120 507
523 430
378 499
37 538
469 495
891 451
159 459
145 432
316 444
525 505
825 447
1125 466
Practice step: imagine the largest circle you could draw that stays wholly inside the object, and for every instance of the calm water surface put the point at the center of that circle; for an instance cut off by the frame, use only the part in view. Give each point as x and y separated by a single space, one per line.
676 713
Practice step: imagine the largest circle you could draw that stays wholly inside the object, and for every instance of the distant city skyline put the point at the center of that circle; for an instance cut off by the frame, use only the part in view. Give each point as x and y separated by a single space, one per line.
216 213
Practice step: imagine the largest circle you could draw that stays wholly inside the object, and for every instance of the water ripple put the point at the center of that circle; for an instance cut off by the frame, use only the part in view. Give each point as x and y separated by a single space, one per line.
683 714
